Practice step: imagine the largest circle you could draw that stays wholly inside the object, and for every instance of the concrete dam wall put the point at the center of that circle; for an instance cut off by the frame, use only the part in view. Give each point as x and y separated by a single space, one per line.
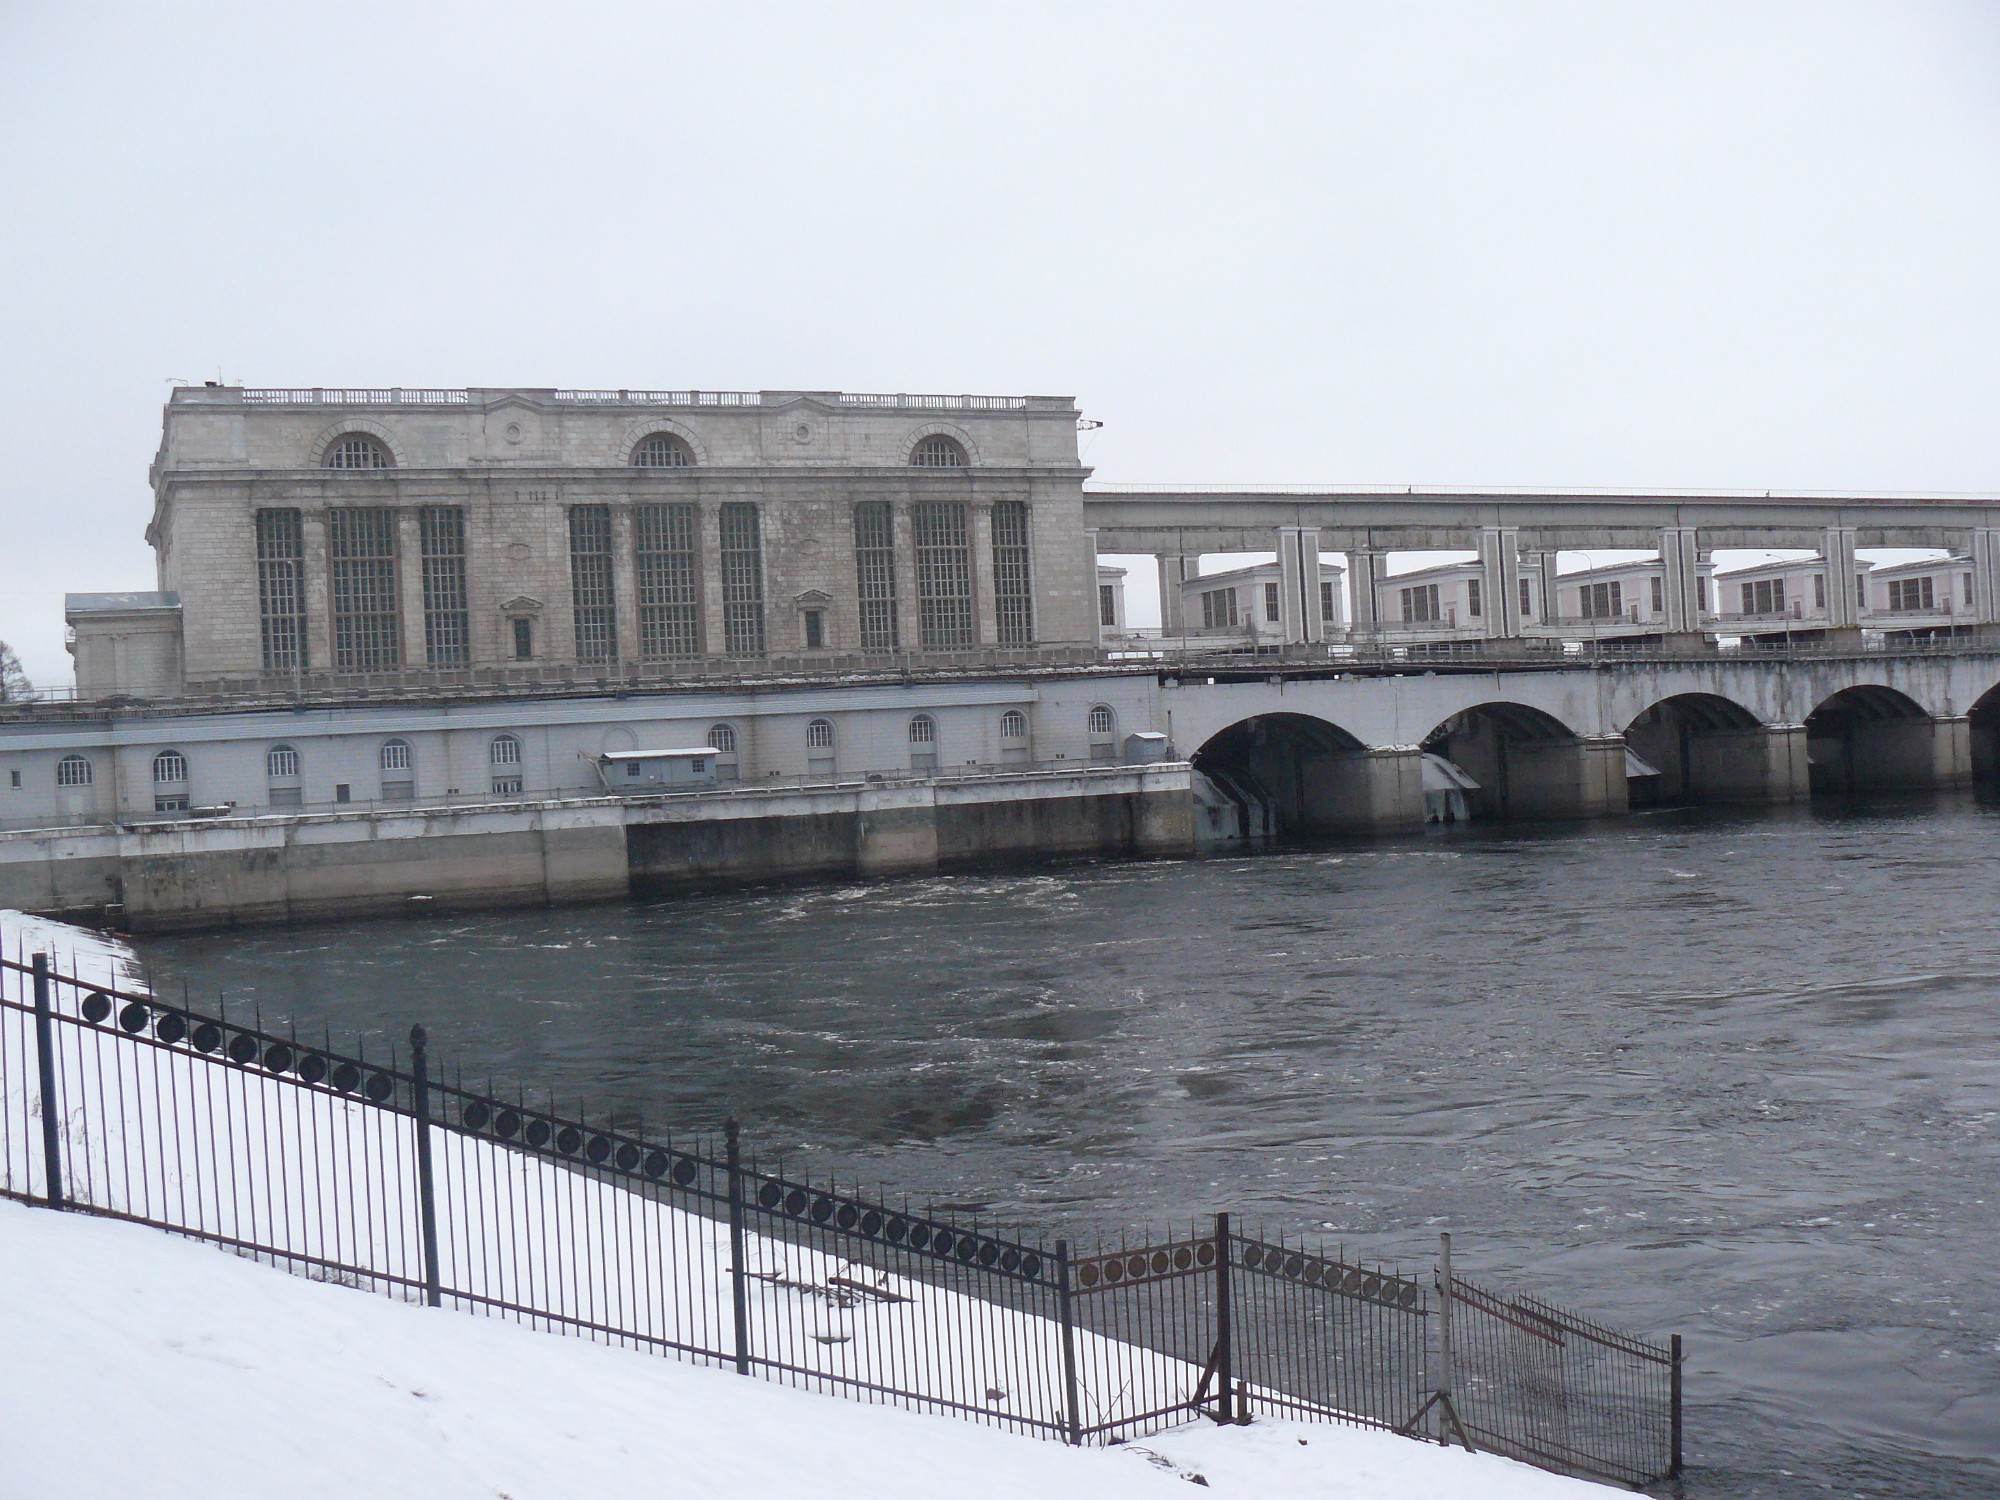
277 868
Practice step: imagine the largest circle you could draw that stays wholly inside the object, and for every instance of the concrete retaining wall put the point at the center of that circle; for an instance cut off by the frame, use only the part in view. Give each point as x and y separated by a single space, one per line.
275 868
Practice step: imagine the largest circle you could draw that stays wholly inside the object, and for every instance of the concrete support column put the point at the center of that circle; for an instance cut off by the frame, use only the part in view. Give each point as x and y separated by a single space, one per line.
1090 583
1680 562
1837 547
1765 764
1499 567
410 590
1174 571
1984 546
712 642
319 594
985 617
1364 791
1364 569
624 583
1551 585
1298 592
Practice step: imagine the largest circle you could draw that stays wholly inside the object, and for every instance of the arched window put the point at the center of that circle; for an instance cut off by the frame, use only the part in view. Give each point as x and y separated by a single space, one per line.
937 452
819 734
1102 723
357 450
281 763
662 450
504 751
1013 725
170 768
923 730
395 757
73 770
722 739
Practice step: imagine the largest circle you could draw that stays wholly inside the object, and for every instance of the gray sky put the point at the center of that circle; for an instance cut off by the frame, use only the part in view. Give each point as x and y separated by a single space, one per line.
1565 244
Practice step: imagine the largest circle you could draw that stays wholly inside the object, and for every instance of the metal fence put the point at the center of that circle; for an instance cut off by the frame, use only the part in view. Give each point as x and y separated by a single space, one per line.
378 1173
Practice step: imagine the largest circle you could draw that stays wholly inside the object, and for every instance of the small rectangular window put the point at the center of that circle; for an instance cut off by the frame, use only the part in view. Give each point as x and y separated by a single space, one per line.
815 629
524 640
14 780
1327 605
1271 603
1819 591
1700 592
1659 596
506 786
1967 577
1475 602
1527 598
342 792
1107 605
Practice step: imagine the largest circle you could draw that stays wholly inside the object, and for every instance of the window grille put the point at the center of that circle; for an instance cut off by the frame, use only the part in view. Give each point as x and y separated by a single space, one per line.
1218 608
447 625
1271 604
73 770
1013 589
1013 725
524 640
1420 603
1101 722
590 583
669 573
1602 601
395 756
362 546
662 450
923 730
281 589
875 574
742 581
170 767
1912 594
1527 598
1328 609
937 452
722 739
1107 605
1660 595
357 450
1700 592
819 734
282 763
1475 601
1764 596
507 786
505 751
944 575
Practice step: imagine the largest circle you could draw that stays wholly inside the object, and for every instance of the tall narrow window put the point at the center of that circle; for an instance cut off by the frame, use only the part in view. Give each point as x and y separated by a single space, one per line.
1013 588
1659 595
590 583
362 549
944 575
1527 598
669 588
447 625
1475 602
1819 591
875 573
1107 605
1271 604
742 581
281 589
1327 605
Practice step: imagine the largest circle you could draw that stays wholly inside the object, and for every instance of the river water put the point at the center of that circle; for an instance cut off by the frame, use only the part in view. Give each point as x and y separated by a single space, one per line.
1728 1075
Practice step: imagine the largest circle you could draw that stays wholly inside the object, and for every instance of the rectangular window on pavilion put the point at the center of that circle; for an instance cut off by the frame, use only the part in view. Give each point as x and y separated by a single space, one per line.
1602 601
447 622
1218 609
875 574
1527 598
1764 596
742 580
1327 604
1107 605
1013 592
1908 595
667 560
281 589
590 582
1420 603
361 563
944 574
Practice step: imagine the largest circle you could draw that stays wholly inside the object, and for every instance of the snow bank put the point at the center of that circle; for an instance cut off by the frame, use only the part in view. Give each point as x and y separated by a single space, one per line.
136 1363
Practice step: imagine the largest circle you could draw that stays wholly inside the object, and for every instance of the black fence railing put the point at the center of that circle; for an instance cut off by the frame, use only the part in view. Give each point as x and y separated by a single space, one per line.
379 1174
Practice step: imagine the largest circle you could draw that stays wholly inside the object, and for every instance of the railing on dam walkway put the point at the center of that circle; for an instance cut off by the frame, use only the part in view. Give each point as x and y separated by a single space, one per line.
379 1173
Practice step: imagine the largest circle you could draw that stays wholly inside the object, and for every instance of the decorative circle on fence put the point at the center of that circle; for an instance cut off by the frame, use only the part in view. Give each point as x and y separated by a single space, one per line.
1161 1260
896 1232
940 1242
312 1067
538 1133
1183 1258
278 1058
96 1006
770 1195
848 1216
475 1114
1351 1283
133 1018
506 1124
1114 1271
1136 1266
685 1172
1313 1273
1088 1275
1407 1297
628 1157
1010 1260
170 1028
920 1236
989 1255
657 1163
1294 1266
243 1049
380 1087
871 1223
1205 1254
822 1210
598 1150
568 1139
1371 1285
1252 1257
795 1202
1031 1265
346 1078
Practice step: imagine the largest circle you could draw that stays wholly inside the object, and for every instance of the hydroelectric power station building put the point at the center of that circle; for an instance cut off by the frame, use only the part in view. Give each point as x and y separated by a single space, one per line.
409 645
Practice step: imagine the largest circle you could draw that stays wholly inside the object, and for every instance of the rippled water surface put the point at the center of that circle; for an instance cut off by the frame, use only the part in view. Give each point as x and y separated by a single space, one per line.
1731 1076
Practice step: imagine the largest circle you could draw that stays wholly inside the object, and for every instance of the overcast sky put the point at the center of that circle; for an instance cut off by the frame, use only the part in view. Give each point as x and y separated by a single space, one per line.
1567 244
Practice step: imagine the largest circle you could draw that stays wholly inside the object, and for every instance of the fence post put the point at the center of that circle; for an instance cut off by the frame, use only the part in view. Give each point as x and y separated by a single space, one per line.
1073 1404
45 1062
420 1100
1225 1395
1675 1389
738 1289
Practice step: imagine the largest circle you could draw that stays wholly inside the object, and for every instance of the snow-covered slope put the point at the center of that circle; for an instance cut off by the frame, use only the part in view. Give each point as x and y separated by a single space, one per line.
135 1363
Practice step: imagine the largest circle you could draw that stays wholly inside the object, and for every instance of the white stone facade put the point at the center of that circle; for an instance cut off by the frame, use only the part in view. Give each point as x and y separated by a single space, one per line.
511 470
